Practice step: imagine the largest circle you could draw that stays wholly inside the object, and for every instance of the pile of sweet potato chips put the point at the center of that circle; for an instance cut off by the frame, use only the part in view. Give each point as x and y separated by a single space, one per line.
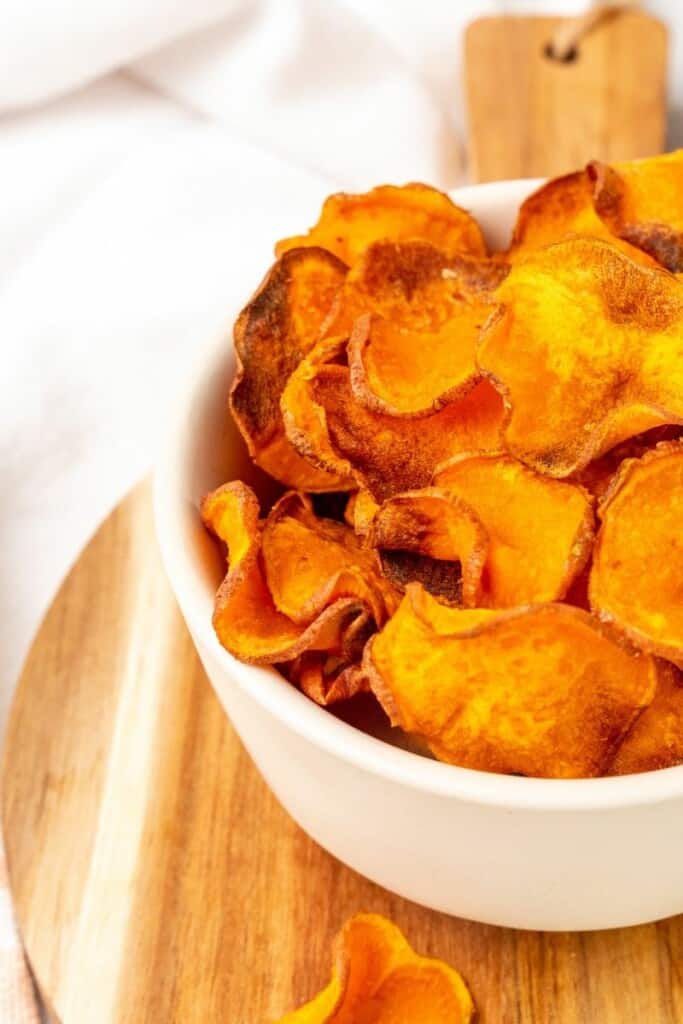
483 462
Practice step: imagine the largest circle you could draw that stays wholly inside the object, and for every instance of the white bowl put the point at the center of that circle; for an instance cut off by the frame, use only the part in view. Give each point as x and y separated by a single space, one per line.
528 853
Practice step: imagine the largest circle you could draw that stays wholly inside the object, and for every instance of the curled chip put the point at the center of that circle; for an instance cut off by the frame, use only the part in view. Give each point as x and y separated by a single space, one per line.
597 476
378 979
540 530
656 739
637 576
587 350
416 285
641 201
348 224
332 607
542 690
326 679
385 454
434 539
310 563
276 329
559 209
403 372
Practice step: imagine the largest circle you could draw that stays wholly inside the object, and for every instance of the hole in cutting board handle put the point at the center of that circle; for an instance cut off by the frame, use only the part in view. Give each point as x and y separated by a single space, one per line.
569 58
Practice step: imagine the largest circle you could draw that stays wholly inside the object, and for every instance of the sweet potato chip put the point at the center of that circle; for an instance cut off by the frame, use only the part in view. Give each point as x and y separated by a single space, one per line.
637 575
561 208
348 224
378 979
416 285
360 510
587 350
434 539
542 690
402 372
246 620
276 329
655 740
597 476
540 530
327 679
310 562
641 201
385 454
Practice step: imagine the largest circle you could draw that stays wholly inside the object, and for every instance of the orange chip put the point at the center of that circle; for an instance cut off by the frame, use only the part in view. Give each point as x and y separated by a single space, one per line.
642 202
246 620
656 738
326 679
597 476
587 349
416 285
401 372
378 979
540 530
348 224
637 575
561 208
310 562
276 329
360 510
542 690
385 454
434 539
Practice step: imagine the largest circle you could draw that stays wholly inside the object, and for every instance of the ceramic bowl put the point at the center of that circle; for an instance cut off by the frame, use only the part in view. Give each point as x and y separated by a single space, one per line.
528 853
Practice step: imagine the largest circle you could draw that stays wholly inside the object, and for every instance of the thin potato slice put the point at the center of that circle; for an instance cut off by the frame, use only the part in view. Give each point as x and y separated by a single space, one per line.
655 740
587 350
377 978
385 454
434 539
245 619
560 209
310 562
281 323
641 201
348 224
540 530
542 690
401 372
637 576
416 285
326 679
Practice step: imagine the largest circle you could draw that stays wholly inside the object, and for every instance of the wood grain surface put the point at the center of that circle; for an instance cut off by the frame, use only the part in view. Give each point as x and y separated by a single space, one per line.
157 880
530 115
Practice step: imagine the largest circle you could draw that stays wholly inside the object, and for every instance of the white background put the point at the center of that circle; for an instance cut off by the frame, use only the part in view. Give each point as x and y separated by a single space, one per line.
150 153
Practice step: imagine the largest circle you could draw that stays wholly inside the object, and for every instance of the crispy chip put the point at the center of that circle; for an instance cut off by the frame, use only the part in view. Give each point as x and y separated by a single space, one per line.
540 530
378 979
385 454
434 539
641 201
597 476
348 224
656 738
360 510
587 349
637 576
561 208
276 329
246 621
542 690
416 285
327 679
402 372
309 563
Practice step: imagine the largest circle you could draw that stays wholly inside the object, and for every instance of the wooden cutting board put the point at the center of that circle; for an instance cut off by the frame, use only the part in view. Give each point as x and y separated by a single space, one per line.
155 878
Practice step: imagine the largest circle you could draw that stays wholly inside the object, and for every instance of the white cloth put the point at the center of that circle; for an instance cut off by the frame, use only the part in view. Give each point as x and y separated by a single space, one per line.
151 152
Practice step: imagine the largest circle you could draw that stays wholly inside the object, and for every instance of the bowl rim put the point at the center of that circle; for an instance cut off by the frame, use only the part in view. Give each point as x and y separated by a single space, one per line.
313 723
